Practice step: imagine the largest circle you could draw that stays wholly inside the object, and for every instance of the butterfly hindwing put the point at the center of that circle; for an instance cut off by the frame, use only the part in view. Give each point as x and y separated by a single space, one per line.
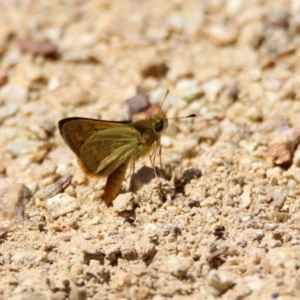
108 149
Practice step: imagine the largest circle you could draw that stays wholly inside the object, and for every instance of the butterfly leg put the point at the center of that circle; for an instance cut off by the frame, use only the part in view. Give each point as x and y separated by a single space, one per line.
152 160
152 157
160 156
132 175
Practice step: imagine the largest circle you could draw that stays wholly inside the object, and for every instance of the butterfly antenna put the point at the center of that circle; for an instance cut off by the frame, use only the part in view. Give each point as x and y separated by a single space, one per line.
189 116
162 103
166 95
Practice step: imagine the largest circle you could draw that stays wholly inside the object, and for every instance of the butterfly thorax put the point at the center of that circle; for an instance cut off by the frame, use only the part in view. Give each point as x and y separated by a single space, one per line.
150 130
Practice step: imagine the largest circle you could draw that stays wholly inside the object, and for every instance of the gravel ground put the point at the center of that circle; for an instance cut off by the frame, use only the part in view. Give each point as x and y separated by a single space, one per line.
223 221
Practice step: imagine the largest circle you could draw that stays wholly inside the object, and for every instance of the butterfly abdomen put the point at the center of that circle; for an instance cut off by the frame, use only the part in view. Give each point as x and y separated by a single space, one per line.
113 183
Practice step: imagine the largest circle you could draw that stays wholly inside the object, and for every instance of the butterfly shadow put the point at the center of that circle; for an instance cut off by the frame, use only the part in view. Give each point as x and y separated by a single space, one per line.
146 174
187 176
143 177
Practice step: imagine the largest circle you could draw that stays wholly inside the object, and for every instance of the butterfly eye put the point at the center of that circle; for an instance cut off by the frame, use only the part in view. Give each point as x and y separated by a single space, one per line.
159 126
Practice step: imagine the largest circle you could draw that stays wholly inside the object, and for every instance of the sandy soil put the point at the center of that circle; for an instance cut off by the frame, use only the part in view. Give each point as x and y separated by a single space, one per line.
223 222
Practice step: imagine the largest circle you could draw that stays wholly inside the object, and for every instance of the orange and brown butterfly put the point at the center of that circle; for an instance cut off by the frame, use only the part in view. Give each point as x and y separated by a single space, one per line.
106 148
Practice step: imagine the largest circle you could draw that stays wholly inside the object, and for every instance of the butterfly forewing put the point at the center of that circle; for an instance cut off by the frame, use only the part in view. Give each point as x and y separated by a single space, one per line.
76 131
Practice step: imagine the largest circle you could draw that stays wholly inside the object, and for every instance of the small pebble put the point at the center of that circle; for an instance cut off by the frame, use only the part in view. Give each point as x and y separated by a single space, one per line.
13 94
220 281
124 202
212 89
61 204
13 198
